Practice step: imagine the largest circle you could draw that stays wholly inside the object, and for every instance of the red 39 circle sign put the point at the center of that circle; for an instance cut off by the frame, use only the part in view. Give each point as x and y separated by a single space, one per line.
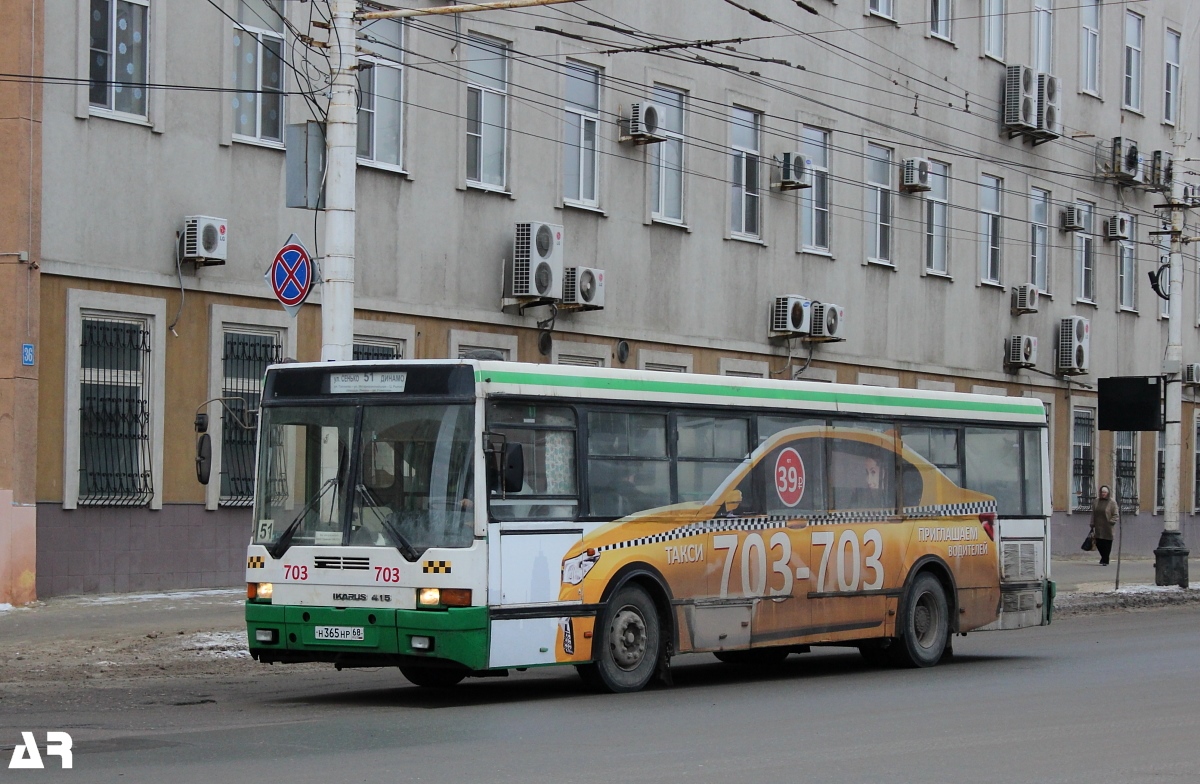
789 477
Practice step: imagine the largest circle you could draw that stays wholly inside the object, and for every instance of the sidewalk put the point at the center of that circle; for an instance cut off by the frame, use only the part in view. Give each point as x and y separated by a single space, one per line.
1084 574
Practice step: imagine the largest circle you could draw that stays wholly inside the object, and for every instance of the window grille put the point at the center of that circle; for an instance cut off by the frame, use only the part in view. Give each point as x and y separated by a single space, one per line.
373 352
1083 462
245 361
114 414
1127 492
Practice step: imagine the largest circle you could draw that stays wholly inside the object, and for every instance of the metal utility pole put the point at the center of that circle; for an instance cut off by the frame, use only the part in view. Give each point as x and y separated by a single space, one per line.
1171 557
341 168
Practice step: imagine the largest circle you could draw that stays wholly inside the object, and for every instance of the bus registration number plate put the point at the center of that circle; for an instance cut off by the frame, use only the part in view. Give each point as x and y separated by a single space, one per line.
337 633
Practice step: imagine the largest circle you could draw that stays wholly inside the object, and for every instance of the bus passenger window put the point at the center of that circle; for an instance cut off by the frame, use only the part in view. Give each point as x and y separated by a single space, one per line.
993 466
862 476
709 449
629 469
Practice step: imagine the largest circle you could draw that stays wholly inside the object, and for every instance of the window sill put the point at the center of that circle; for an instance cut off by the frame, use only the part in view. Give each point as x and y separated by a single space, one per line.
672 224
993 284
747 238
993 58
819 252
1169 123
131 119
946 276
255 142
1133 110
1131 311
1091 94
484 188
881 263
367 163
935 37
582 207
1090 303
884 17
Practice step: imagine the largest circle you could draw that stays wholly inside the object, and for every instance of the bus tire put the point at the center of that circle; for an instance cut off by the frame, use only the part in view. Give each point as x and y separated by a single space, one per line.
756 657
432 677
630 641
924 628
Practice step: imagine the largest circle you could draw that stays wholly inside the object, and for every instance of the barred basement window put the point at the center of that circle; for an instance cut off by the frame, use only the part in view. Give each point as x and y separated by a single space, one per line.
114 413
244 362
372 352
1083 462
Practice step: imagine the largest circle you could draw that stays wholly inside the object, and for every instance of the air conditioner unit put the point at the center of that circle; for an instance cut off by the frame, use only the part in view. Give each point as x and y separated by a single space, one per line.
1189 194
1162 171
205 240
791 316
1049 107
535 272
1020 98
1119 226
642 124
916 175
1022 351
795 171
1072 218
828 322
1025 298
1126 160
1191 373
583 288
1074 345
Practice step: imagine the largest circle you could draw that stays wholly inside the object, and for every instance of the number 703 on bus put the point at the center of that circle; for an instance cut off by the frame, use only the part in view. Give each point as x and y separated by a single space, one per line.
857 559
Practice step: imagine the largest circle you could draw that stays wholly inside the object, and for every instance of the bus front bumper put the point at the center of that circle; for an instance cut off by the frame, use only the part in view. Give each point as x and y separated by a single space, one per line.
356 636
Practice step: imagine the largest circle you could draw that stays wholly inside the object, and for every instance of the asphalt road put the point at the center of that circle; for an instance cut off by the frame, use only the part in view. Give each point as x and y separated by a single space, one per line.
1104 698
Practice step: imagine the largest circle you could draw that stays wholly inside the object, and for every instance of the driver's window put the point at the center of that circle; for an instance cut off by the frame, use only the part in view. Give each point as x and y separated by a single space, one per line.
546 434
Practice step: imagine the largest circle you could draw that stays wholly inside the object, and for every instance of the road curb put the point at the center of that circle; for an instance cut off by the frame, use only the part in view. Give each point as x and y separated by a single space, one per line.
1130 599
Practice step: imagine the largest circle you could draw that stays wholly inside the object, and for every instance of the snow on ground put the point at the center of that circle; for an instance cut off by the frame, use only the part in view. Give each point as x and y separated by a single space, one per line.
5 607
218 645
129 598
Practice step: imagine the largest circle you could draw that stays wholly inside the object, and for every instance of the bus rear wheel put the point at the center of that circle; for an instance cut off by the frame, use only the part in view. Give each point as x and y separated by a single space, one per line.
924 624
629 643
432 677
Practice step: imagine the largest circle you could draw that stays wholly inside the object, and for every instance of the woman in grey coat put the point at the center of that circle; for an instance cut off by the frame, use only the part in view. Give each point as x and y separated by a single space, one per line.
1104 516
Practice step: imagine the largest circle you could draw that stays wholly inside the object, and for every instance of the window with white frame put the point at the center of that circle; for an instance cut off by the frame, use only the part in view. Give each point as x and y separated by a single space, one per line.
1039 238
1171 56
1134 30
1083 459
246 353
744 218
258 70
486 64
814 201
1125 489
381 94
937 219
1089 78
1126 276
1043 36
118 56
881 7
115 446
879 204
990 227
1085 254
667 157
581 154
939 18
993 28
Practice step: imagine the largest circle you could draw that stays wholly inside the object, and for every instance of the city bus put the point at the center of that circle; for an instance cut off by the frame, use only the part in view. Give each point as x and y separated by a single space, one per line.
468 518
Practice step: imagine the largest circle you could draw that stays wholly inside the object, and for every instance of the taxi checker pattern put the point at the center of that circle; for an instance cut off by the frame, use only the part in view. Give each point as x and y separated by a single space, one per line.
767 522
254 562
436 567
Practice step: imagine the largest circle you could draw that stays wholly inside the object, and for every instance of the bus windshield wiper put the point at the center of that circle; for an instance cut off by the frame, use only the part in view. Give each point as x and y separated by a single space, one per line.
399 540
278 549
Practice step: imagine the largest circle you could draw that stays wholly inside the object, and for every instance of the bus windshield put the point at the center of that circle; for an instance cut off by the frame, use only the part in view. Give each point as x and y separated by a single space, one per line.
405 475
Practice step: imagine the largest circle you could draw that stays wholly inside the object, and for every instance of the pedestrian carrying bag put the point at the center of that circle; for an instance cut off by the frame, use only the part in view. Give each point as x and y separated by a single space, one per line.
1089 542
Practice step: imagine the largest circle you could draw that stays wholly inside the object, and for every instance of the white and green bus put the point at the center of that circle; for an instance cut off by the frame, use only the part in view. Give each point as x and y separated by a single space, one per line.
467 518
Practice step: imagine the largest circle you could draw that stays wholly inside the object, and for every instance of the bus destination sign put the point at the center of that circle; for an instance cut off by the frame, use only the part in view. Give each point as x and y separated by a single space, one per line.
366 383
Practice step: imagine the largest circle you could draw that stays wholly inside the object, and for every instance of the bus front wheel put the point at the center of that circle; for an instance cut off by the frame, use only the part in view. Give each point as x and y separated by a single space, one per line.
630 642
432 677
924 624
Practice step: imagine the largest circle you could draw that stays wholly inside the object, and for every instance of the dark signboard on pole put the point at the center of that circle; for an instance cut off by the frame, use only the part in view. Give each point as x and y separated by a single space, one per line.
1131 403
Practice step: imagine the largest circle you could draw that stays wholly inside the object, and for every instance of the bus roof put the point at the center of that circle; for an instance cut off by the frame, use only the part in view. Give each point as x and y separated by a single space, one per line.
567 381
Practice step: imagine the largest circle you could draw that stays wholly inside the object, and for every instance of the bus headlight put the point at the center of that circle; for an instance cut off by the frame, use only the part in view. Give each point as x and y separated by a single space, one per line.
575 569
429 597
264 591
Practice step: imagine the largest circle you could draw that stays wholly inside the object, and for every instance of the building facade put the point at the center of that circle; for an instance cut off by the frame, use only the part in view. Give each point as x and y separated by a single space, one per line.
152 111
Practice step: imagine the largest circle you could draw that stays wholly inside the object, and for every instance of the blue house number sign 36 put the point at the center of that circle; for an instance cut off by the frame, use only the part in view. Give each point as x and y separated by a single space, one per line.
26 353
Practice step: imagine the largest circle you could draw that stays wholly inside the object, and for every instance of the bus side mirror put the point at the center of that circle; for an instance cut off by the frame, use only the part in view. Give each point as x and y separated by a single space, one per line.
513 470
203 458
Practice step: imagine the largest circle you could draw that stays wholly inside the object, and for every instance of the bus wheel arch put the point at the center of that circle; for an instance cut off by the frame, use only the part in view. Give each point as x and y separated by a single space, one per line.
636 608
927 615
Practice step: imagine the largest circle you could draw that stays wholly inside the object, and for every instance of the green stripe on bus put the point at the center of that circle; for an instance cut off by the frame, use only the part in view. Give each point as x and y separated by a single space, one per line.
695 388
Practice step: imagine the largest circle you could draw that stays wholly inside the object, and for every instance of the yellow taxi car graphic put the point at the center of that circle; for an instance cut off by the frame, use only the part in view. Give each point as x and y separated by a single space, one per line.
812 538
